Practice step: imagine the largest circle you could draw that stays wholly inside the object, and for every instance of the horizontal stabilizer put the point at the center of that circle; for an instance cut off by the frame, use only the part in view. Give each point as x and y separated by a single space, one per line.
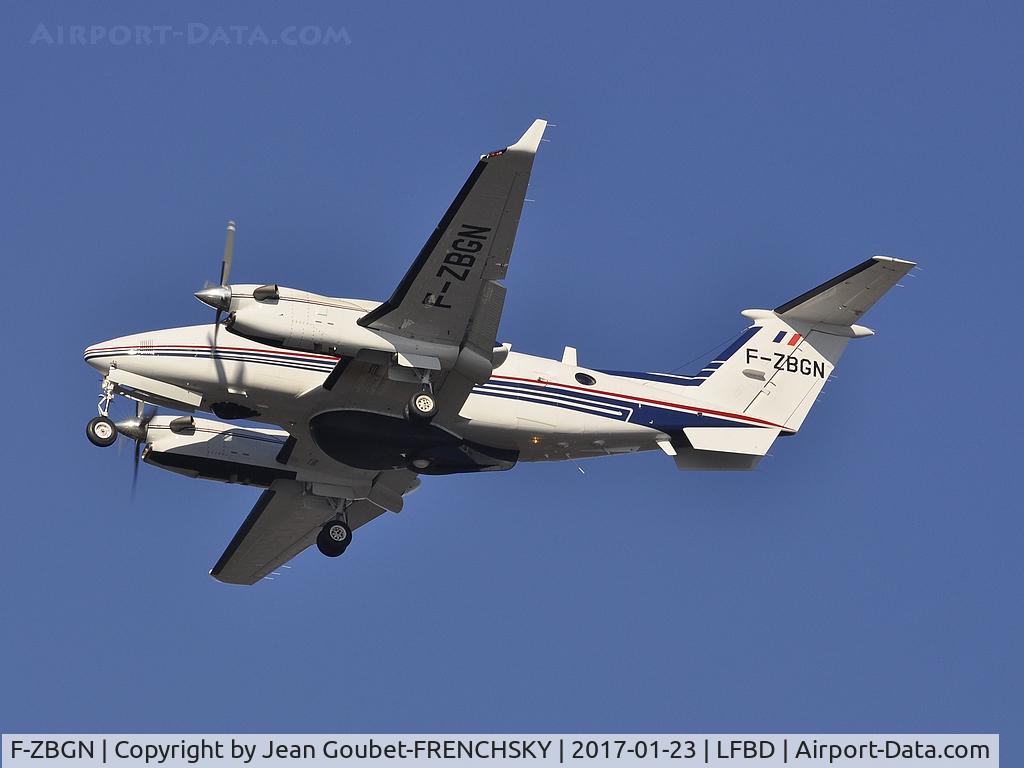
843 299
752 441
721 448
691 460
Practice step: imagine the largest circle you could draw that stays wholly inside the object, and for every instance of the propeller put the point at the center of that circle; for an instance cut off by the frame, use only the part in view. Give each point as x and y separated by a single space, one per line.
229 250
137 429
219 296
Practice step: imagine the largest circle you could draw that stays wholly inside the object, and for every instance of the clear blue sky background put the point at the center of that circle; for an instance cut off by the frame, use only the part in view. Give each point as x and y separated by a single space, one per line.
708 157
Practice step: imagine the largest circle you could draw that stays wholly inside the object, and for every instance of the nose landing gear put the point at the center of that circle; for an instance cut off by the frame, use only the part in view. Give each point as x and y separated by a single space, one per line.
101 430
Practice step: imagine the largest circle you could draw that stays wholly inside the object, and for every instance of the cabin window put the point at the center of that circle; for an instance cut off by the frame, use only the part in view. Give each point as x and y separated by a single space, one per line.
586 379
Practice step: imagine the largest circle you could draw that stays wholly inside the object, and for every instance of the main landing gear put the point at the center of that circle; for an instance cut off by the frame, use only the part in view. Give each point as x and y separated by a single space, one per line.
101 430
422 406
334 538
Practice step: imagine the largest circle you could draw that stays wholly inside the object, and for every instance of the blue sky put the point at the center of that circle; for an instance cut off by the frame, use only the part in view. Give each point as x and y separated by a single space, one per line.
708 157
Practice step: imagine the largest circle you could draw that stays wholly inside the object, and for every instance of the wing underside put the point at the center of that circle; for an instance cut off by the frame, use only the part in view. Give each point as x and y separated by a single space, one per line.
285 521
451 286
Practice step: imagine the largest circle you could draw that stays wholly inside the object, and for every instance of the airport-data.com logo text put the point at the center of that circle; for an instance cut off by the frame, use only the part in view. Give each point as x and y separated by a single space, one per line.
193 33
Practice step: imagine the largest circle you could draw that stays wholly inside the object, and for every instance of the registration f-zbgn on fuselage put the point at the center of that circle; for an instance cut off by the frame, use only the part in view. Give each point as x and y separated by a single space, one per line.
361 398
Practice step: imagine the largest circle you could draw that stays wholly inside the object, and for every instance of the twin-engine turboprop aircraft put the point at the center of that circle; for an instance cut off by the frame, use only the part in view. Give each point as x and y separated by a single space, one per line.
364 397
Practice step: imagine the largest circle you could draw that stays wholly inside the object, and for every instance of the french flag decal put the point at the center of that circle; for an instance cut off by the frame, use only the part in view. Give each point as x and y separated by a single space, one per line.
792 342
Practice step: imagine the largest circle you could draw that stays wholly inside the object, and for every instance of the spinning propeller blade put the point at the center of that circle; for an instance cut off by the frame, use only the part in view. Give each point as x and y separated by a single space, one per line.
135 468
219 296
229 249
136 429
225 267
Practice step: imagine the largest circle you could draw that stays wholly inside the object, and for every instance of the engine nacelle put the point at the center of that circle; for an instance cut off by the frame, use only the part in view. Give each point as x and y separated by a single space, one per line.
309 322
212 450
215 451
295 319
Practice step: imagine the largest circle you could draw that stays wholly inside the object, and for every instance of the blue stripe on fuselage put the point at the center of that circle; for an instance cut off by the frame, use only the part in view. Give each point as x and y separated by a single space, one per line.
264 357
658 417
698 378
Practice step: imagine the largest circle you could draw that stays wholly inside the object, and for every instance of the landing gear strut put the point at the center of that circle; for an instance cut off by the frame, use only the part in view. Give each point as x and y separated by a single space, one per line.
106 397
101 430
334 538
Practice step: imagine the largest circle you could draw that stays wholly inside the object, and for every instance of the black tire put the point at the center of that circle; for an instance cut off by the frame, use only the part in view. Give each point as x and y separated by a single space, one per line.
422 406
334 538
101 431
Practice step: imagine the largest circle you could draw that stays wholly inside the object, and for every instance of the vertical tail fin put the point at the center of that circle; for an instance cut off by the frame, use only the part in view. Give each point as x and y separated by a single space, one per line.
778 372
784 359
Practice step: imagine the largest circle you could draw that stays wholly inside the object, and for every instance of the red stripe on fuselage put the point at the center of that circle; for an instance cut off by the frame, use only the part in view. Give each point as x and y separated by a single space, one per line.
94 350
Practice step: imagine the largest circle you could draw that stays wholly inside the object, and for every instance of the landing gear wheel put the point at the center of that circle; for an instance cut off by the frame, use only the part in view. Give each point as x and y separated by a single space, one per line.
422 406
334 538
101 432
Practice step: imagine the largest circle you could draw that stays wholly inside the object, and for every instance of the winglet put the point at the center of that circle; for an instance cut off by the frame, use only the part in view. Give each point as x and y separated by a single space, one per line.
531 139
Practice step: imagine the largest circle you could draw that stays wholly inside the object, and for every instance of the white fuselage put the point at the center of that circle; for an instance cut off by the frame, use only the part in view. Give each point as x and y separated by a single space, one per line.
534 405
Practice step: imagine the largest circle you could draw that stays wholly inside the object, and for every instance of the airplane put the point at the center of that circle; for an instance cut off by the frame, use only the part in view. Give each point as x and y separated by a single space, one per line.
345 403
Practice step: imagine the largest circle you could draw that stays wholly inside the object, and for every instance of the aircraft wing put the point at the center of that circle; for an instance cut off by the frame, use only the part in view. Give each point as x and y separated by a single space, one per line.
450 293
284 521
